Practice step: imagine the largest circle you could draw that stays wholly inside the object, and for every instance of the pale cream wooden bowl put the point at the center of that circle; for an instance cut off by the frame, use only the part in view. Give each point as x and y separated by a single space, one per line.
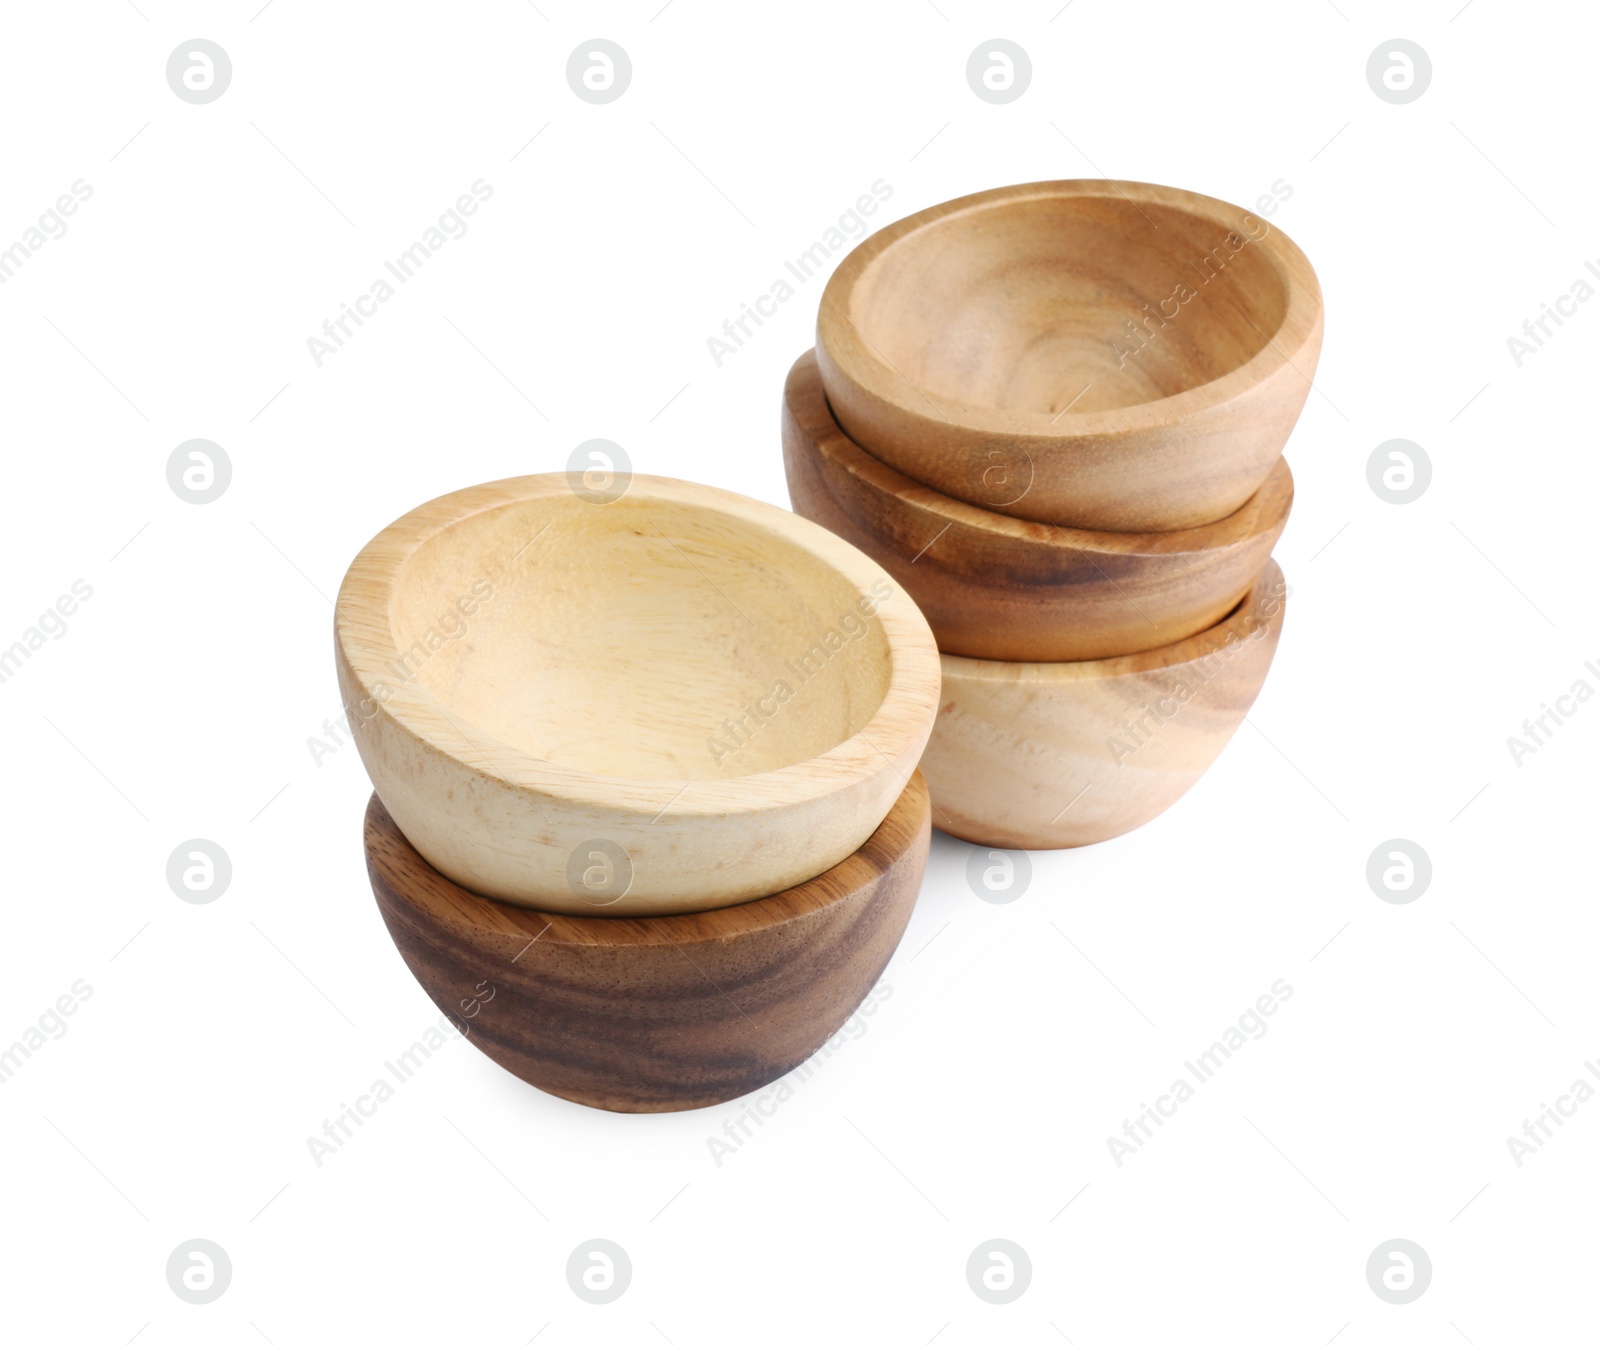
675 701
1043 756
1095 354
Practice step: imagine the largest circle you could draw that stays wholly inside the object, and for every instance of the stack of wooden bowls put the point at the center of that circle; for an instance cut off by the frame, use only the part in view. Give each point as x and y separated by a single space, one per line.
1055 414
648 823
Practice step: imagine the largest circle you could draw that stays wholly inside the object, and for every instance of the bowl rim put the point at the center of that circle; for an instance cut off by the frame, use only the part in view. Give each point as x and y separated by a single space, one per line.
857 359
366 643
1267 507
1232 629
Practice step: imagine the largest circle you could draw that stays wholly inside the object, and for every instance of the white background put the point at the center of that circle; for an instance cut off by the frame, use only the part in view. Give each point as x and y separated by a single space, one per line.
1017 1037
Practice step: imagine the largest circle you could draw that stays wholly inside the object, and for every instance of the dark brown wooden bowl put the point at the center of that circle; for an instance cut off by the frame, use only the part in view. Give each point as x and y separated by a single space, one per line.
655 1013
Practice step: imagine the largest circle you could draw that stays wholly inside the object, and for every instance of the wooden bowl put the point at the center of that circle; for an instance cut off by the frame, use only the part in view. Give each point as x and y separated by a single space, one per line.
674 701
1048 755
662 1013
997 587
1095 354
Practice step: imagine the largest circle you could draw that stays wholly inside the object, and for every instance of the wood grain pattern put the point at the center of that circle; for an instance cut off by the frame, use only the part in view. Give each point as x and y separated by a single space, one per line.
1048 755
996 587
676 700
667 1012
1095 354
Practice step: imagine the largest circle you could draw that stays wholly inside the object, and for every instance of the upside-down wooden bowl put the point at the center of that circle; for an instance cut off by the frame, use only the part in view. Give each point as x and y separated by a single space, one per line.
1096 354
1042 756
674 701
666 1012
996 587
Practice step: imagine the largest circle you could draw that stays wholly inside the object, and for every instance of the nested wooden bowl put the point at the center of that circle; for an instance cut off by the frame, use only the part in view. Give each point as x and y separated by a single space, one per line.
1043 756
674 701
1095 354
666 1012
996 587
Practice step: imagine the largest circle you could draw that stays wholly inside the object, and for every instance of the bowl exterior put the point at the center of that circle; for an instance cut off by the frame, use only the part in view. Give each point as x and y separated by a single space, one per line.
1051 756
993 587
661 1014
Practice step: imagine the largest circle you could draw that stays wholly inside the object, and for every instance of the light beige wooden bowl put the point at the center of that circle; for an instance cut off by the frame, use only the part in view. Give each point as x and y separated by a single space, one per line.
675 701
1048 755
1094 354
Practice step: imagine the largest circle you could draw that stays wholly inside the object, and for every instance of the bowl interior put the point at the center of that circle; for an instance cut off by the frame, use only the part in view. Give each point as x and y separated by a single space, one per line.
640 639
1028 305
